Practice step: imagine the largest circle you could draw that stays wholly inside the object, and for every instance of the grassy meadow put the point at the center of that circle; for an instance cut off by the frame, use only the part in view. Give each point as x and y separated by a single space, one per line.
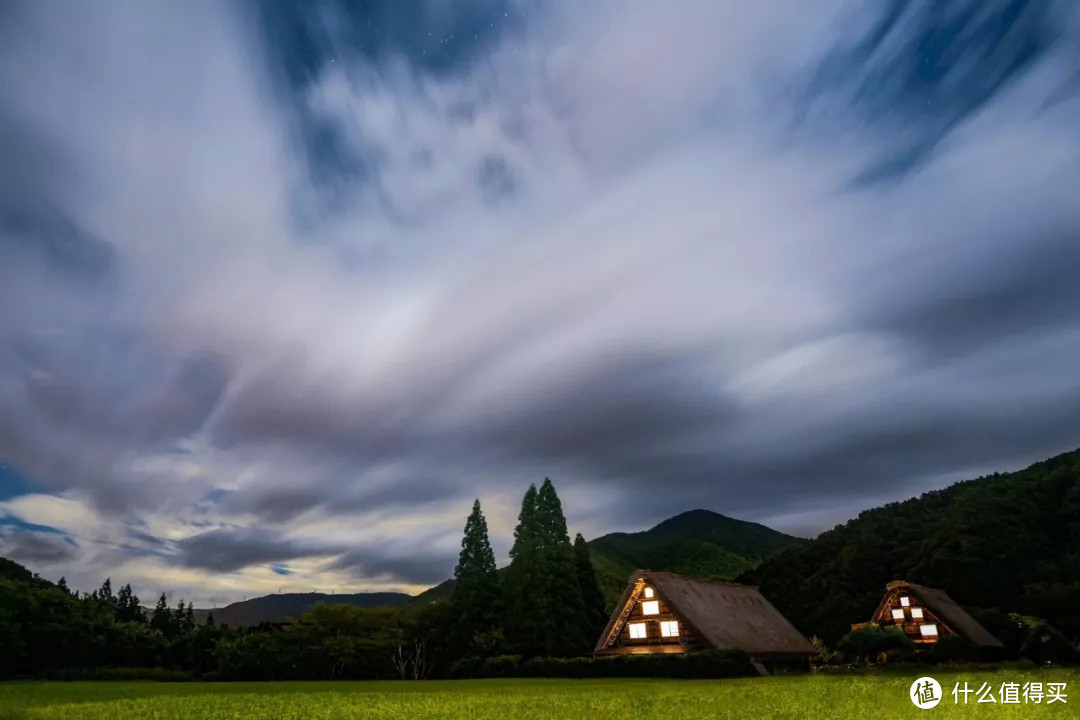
792 696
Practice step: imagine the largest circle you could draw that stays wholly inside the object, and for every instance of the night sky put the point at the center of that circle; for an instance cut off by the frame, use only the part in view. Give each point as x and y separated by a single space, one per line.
285 285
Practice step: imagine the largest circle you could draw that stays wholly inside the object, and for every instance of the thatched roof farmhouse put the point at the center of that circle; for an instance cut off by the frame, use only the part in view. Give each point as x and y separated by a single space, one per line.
927 614
667 613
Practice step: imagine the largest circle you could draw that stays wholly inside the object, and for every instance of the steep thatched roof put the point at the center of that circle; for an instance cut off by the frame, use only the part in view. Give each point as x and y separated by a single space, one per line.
939 603
722 615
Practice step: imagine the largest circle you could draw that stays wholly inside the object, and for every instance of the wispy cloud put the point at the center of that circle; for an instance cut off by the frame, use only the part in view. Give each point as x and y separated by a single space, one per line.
294 287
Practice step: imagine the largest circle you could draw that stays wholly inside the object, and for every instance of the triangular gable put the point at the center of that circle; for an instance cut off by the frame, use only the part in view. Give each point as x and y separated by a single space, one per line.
937 604
630 601
710 613
892 602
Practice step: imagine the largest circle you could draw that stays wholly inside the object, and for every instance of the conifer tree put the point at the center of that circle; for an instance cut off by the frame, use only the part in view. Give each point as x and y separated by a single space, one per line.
62 584
590 590
210 624
475 603
161 618
563 615
189 618
128 608
522 587
104 593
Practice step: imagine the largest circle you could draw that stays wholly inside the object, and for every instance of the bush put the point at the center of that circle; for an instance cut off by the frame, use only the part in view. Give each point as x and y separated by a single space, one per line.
953 649
121 674
871 640
706 664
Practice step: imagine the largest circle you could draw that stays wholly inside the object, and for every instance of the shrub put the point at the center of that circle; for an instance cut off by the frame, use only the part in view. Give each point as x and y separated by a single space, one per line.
953 649
872 640
706 664
121 674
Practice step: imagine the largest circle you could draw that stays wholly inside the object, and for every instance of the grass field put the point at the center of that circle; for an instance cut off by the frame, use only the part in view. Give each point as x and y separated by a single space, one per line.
802 696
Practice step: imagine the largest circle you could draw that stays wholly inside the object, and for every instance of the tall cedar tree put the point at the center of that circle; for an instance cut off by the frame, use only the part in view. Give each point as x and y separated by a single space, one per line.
476 599
590 590
161 618
521 585
564 621
545 611
127 606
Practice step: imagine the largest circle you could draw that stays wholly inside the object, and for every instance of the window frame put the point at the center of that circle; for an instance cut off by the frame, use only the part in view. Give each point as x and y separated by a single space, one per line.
633 627
653 605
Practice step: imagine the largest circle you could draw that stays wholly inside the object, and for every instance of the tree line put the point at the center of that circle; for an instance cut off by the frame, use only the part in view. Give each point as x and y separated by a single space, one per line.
546 603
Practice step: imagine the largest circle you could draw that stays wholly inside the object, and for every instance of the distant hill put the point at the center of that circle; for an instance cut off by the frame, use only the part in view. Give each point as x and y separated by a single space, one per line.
1009 542
700 543
278 608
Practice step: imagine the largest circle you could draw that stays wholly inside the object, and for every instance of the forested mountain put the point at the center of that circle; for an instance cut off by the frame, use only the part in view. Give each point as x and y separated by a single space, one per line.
283 606
1010 542
700 543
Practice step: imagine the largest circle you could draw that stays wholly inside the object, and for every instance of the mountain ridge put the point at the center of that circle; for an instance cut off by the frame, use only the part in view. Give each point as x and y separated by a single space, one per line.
1002 543
699 542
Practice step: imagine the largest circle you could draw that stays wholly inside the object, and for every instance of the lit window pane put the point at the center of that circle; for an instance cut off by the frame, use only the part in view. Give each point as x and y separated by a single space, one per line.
905 601
928 630
898 614
916 613
648 592
650 607
637 631
669 628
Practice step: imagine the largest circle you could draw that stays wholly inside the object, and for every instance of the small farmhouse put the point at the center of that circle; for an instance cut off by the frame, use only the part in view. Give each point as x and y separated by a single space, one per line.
667 613
927 614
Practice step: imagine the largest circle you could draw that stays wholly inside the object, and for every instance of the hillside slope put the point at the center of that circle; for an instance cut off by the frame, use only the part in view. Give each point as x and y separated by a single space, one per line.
699 543
1006 541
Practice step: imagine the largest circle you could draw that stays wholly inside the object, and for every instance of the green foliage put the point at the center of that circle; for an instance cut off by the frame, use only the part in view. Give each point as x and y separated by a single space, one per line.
823 655
127 606
523 610
161 619
1010 542
816 695
953 649
710 664
871 640
698 543
545 612
593 599
564 623
476 600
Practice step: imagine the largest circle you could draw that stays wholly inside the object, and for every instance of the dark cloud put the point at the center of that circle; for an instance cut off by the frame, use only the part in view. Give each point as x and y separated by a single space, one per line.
230 550
418 566
36 547
324 265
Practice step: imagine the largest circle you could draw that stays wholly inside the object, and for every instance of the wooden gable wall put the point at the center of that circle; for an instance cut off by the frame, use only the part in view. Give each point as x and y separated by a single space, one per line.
633 613
893 600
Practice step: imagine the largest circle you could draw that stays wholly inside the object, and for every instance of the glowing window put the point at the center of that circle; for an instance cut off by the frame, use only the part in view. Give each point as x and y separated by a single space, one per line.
928 630
916 613
637 631
898 614
650 607
648 592
905 601
669 628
